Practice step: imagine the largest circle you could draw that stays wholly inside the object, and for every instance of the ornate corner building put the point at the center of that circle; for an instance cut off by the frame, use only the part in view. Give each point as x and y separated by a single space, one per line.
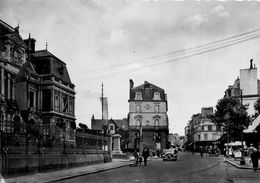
50 94
148 119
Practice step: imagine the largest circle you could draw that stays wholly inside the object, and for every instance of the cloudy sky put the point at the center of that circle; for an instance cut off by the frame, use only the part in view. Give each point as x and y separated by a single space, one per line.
114 41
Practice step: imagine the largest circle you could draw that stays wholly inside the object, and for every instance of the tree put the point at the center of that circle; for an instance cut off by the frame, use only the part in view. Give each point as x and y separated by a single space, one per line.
257 107
83 127
124 137
232 116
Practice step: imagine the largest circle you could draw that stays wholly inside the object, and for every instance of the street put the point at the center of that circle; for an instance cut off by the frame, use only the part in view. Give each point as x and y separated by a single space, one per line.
187 168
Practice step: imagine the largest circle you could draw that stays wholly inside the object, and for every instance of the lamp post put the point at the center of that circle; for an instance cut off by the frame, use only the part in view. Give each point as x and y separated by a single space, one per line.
242 161
227 118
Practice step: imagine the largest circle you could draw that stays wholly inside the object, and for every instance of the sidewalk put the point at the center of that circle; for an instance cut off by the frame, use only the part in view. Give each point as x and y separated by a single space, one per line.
67 173
236 163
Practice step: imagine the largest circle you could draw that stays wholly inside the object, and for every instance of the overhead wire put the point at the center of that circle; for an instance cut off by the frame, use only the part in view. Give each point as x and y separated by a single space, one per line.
178 55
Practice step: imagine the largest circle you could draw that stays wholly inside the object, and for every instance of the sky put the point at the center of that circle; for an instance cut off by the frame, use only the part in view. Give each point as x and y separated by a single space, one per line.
114 41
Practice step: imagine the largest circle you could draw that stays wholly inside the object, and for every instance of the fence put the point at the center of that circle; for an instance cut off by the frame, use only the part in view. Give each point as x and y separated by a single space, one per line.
36 158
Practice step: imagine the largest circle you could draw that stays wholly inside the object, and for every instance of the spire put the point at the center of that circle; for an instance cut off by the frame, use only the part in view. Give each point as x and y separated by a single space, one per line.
46 45
251 63
17 28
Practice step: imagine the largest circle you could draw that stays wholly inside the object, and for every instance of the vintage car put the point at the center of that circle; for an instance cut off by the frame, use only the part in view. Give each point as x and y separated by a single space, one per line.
169 156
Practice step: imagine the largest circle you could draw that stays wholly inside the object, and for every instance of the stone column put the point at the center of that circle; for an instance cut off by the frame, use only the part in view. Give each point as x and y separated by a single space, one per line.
8 86
2 82
116 140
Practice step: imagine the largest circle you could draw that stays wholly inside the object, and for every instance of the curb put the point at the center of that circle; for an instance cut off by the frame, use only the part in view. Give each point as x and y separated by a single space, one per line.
85 173
238 166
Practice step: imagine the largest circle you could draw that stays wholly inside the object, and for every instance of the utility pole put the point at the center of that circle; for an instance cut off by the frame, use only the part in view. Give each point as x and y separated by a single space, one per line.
242 161
102 100
227 118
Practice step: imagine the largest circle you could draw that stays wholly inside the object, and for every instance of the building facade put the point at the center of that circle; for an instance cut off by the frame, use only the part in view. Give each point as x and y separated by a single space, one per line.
49 96
246 87
148 119
201 131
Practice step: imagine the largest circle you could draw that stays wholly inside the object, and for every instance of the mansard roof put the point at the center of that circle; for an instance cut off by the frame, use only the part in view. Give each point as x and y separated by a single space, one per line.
148 85
55 66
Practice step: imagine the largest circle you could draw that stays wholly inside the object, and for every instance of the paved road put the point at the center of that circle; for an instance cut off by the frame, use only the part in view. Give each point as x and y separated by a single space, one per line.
187 169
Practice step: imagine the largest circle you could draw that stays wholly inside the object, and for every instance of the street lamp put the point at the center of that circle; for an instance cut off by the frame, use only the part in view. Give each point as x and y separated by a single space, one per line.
242 161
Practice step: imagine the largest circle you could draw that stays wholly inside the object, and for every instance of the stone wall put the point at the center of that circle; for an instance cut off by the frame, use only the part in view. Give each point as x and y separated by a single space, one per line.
25 163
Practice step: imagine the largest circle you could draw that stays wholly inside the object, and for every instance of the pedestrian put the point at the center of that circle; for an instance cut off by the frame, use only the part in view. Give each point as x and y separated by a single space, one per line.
254 159
136 156
250 150
145 155
201 152
140 160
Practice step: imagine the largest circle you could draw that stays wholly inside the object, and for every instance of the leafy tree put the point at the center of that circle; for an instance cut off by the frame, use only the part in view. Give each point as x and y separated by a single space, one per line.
83 127
232 116
124 137
257 107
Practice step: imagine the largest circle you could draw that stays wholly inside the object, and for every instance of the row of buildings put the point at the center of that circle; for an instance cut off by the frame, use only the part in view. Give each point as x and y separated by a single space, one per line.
201 131
146 124
37 100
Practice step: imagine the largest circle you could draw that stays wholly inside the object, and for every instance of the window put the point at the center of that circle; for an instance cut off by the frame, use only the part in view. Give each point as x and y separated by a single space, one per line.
111 127
32 99
46 103
65 103
156 96
138 96
71 107
57 102
205 128
156 122
156 108
210 128
137 122
138 108
205 136
198 137
214 127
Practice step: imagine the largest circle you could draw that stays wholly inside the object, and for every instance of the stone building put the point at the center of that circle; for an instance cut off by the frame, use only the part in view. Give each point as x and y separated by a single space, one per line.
48 96
247 87
57 97
148 119
201 131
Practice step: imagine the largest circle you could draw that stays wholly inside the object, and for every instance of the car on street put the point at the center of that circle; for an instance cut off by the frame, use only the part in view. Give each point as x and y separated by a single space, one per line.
170 156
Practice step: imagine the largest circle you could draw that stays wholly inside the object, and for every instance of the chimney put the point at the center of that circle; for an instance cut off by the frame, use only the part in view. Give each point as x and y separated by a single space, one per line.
251 63
30 43
131 87
131 83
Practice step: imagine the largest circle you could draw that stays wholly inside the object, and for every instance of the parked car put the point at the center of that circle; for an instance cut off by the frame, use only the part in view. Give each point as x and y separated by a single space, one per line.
170 156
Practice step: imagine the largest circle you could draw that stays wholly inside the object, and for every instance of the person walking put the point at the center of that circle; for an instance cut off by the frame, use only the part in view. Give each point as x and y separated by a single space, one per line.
136 156
145 155
254 159
201 152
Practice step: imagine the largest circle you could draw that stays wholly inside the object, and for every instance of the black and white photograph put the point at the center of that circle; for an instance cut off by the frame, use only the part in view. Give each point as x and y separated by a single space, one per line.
129 91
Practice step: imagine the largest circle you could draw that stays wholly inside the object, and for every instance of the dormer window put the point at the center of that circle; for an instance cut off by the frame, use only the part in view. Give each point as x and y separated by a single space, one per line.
138 96
156 96
111 128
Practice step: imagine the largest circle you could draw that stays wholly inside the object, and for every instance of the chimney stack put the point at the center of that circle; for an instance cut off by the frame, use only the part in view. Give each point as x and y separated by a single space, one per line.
251 63
131 83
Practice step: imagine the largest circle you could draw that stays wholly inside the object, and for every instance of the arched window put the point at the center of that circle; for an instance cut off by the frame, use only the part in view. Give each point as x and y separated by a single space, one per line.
138 96
156 96
137 122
